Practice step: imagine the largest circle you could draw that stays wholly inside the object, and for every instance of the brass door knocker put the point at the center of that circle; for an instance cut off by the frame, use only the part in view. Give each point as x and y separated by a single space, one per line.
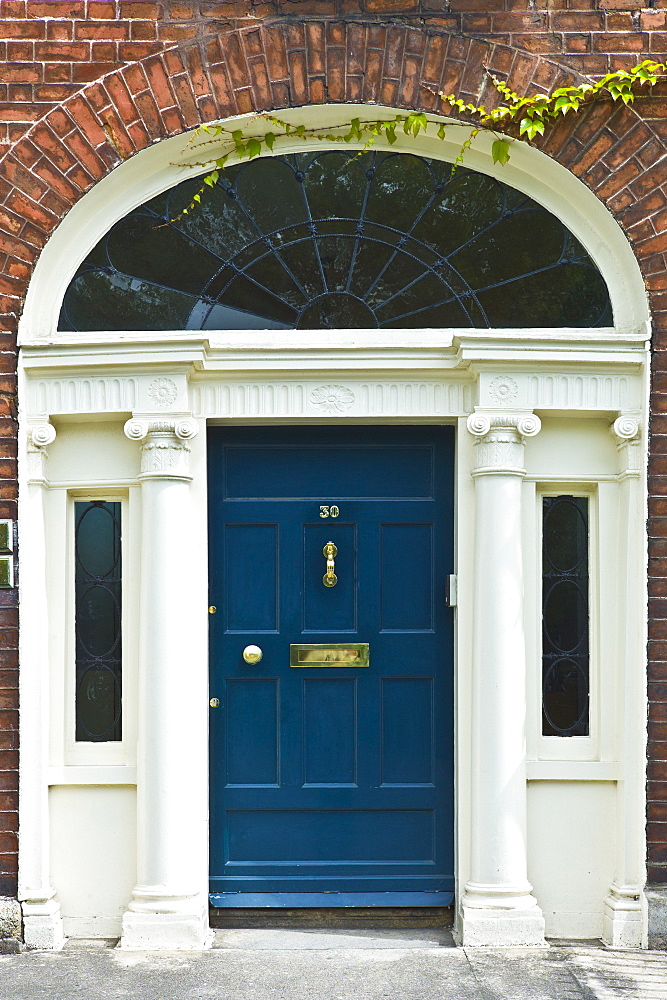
329 552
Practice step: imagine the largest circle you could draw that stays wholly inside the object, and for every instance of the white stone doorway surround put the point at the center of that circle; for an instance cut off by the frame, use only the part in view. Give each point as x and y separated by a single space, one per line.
499 388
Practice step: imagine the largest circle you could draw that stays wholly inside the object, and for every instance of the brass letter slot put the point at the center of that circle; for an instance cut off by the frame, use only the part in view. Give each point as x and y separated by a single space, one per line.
331 654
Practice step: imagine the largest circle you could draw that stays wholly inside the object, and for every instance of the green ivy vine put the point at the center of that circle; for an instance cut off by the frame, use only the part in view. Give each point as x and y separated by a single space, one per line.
528 117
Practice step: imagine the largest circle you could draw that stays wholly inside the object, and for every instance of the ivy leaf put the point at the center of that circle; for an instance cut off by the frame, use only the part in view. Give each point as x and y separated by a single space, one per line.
269 139
566 103
254 148
500 151
416 122
531 127
441 132
212 178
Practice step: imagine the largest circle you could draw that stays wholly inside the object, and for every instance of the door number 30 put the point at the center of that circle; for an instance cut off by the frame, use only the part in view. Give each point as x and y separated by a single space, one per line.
332 511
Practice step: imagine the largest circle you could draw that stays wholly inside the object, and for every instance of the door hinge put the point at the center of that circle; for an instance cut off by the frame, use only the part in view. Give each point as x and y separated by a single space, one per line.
451 590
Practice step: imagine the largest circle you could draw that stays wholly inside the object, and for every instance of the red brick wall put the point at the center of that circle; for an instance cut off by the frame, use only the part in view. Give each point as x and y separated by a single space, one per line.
85 83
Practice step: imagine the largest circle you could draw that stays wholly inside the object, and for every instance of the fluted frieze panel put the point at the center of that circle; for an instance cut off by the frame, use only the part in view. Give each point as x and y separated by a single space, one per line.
333 397
583 392
82 395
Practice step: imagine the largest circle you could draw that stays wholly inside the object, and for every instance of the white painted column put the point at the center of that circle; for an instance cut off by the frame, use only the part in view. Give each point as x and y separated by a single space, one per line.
42 922
498 908
623 922
169 906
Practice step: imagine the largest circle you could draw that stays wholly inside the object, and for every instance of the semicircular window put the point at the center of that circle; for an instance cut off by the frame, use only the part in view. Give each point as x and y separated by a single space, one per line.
337 240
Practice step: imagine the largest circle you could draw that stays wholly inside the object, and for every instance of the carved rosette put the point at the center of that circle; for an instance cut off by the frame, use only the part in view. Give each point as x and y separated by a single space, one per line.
500 437
503 390
40 436
332 398
626 429
165 452
163 392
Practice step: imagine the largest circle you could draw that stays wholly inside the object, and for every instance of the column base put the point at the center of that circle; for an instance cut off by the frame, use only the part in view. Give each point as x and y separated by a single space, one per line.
501 919
42 924
623 918
155 921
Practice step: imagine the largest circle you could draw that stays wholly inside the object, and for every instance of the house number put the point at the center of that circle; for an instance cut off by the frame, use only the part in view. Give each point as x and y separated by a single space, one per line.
332 511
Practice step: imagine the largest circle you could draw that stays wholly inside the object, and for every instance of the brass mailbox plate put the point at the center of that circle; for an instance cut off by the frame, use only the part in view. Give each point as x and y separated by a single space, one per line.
329 654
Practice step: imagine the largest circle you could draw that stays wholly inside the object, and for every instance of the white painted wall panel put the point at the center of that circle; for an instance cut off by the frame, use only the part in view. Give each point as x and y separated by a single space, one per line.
571 851
93 855
555 452
92 453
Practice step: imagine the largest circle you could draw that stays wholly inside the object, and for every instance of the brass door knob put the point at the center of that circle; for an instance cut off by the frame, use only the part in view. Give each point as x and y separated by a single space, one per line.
252 654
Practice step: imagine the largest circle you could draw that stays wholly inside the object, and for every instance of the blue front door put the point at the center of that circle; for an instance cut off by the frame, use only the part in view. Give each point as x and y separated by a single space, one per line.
331 784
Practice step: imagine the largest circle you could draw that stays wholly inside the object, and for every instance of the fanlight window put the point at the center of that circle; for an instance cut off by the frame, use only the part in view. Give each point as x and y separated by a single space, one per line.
338 240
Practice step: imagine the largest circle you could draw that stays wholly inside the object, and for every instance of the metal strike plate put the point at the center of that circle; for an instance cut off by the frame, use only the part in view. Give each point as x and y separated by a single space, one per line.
329 654
6 535
6 572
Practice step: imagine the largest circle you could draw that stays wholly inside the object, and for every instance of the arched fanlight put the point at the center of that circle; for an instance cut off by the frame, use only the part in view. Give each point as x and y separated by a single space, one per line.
339 240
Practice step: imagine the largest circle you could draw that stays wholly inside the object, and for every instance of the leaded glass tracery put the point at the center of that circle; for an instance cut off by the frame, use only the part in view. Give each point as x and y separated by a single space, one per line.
565 612
338 240
98 621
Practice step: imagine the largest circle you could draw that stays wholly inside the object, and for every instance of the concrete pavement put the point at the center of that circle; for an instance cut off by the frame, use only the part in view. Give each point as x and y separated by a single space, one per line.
334 965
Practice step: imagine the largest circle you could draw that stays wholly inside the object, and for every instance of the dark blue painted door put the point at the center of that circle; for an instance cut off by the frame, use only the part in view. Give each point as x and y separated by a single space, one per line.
334 780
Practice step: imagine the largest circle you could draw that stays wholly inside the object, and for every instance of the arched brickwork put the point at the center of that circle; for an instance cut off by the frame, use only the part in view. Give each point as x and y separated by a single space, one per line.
279 64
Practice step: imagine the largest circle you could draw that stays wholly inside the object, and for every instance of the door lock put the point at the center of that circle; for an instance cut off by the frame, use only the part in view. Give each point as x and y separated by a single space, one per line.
214 702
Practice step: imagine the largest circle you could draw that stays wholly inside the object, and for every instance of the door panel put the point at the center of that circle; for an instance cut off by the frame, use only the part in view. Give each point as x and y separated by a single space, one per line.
331 784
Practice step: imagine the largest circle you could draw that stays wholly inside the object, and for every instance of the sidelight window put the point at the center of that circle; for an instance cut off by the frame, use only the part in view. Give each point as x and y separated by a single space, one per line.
565 616
98 621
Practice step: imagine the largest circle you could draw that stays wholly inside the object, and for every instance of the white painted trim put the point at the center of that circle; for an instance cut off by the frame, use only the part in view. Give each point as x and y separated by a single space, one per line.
572 770
92 774
434 376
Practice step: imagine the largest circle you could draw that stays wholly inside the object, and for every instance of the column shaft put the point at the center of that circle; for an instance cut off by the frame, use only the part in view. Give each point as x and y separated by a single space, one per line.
623 921
498 907
42 922
169 907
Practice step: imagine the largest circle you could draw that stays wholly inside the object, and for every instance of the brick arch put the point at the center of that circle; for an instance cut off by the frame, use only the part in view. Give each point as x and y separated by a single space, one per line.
278 65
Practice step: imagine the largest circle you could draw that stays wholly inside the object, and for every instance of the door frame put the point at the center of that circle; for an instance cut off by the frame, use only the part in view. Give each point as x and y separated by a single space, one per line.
410 377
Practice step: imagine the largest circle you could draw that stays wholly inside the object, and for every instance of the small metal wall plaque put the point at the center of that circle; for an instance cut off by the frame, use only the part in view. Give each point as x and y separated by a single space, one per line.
6 535
329 654
6 572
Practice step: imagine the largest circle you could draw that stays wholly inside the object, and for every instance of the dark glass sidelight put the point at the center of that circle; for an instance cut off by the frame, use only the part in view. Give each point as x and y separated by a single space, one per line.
565 612
98 637
338 240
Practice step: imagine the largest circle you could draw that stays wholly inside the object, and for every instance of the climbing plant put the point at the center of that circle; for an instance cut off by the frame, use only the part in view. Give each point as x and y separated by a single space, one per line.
513 118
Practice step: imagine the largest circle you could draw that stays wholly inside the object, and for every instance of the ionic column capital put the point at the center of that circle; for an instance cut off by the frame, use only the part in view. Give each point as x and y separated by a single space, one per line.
626 427
500 437
165 452
41 434
627 431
